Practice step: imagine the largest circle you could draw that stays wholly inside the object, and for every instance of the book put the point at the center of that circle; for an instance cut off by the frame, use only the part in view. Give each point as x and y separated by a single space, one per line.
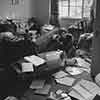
43 91
35 60
37 84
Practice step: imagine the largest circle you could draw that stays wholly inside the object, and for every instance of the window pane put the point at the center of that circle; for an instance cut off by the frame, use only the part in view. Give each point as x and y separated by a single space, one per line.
86 12
63 3
86 3
75 12
79 2
75 2
63 11
72 3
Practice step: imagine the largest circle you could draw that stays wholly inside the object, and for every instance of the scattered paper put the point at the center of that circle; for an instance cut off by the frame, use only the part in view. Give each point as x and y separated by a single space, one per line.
76 95
90 86
35 60
37 84
66 81
83 92
44 91
27 67
82 62
60 74
73 70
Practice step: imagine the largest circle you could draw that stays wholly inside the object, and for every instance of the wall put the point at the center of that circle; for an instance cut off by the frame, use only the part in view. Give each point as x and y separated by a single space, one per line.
24 9
42 10
96 42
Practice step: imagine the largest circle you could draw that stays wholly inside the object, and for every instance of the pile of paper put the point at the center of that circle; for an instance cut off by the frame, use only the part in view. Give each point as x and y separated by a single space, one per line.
35 60
85 90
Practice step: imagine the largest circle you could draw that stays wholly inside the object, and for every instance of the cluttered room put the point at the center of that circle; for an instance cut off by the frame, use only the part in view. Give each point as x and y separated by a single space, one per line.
49 50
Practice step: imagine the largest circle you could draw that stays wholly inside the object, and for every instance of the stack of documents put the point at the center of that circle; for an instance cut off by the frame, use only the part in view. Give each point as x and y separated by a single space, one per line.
35 60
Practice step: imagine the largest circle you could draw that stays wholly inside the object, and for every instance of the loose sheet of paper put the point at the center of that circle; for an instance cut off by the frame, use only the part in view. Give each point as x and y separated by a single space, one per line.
73 70
90 86
82 62
35 60
76 95
60 74
66 81
83 92
27 67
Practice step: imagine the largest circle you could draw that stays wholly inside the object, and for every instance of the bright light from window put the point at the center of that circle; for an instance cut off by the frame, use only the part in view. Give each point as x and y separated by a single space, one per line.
74 8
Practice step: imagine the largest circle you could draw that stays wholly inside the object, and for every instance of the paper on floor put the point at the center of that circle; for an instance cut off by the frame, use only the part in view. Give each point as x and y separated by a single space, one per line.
66 81
90 86
27 67
37 84
60 74
82 62
73 70
35 60
83 92
76 95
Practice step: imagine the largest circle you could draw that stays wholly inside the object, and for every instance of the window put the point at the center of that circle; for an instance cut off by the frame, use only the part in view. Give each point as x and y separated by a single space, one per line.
74 8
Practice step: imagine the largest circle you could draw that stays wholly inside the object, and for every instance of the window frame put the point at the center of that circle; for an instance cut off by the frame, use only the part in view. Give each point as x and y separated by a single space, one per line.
69 6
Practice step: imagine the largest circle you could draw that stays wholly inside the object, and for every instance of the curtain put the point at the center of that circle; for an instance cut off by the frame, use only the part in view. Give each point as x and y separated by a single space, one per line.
54 13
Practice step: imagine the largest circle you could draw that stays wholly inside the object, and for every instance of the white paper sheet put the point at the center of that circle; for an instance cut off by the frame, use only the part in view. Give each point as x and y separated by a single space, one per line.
27 67
83 92
66 81
76 95
73 70
35 60
82 62
90 86
60 74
